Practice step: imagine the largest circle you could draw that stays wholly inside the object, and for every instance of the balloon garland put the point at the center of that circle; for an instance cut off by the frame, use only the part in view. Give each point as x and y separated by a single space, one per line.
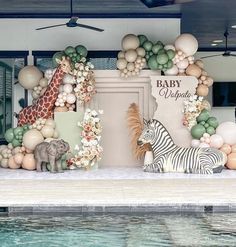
174 60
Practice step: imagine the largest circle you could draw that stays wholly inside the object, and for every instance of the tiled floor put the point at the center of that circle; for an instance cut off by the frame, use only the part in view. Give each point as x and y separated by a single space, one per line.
127 189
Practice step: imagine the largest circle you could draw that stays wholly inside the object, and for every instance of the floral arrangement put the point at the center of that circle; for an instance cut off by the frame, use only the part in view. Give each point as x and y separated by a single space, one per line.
90 152
192 109
85 82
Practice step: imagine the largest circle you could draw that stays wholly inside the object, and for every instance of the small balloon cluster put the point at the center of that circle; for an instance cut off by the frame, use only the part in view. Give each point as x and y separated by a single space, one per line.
131 60
76 55
14 136
205 125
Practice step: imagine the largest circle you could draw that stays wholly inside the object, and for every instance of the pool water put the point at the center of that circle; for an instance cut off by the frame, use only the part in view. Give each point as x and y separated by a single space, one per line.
119 230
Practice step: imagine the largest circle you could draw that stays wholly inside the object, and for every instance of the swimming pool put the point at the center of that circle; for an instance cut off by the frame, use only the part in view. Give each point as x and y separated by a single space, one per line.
119 230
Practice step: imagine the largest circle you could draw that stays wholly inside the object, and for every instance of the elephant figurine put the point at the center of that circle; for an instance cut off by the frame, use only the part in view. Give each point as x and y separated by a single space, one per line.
50 152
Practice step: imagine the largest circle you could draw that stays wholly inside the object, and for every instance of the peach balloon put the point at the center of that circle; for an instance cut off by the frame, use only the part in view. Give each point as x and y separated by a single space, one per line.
29 162
18 158
233 149
231 162
12 164
202 90
226 148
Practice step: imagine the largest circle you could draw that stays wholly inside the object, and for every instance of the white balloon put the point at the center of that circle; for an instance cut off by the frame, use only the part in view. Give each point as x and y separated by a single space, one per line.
227 130
187 43
67 88
183 64
68 79
121 63
70 98
172 71
195 143
131 56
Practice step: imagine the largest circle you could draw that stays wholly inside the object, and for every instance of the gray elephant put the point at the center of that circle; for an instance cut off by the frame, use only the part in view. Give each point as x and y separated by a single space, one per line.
50 152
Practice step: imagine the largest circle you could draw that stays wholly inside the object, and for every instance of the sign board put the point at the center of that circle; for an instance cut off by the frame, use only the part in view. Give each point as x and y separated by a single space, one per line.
170 93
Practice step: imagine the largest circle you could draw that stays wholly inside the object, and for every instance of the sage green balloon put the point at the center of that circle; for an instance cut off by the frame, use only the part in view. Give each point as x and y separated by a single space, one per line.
9 135
147 45
16 143
204 115
170 53
57 55
17 130
206 125
162 58
142 38
156 48
210 130
161 51
152 63
69 50
80 49
170 64
197 131
212 121
202 122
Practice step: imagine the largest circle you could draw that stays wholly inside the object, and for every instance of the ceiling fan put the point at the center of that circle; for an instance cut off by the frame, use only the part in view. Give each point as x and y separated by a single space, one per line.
159 3
72 22
227 52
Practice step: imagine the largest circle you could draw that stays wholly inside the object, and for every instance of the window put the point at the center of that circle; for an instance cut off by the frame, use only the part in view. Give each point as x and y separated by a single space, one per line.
11 93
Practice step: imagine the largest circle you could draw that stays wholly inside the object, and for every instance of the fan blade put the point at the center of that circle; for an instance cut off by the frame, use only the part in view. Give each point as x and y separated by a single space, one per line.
159 3
41 28
211 56
233 55
90 27
74 19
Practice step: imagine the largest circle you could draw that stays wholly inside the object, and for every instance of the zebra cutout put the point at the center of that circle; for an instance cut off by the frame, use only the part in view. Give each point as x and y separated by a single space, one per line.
168 157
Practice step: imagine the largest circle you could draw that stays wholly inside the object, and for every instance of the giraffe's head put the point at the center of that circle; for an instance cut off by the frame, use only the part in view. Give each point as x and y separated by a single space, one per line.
147 134
65 65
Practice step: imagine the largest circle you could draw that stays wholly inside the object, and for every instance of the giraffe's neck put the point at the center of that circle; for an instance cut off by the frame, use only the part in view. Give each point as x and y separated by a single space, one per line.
53 88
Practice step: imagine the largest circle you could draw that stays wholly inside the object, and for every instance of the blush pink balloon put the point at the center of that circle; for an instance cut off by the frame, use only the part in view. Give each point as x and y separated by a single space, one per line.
216 141
195 143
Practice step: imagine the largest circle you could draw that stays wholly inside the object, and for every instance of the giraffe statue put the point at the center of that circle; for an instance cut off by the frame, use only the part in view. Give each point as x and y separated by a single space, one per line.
43 108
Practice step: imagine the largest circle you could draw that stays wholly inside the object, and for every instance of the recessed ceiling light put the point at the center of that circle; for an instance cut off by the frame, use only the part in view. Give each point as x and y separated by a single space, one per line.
214 44
217 41
233 26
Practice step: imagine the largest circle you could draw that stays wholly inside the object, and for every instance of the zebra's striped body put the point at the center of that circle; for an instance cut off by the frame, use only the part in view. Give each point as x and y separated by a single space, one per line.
170 158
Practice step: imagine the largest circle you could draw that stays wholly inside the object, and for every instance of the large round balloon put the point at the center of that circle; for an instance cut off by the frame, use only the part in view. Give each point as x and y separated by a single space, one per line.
29 76
32 138
80 49
186 43
130 41
228 132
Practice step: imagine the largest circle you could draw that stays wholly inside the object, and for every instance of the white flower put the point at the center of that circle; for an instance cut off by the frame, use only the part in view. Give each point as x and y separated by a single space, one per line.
77 148
100 111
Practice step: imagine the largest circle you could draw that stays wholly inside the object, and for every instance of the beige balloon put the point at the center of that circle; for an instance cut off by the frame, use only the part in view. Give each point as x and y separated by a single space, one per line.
141 52
130 41
202 90
47 131
131 56
43 82
32 138
29 77
121 63
194 70
60 109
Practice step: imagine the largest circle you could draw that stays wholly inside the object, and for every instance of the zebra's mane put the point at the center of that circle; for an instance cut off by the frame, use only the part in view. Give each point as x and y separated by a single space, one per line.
158 123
